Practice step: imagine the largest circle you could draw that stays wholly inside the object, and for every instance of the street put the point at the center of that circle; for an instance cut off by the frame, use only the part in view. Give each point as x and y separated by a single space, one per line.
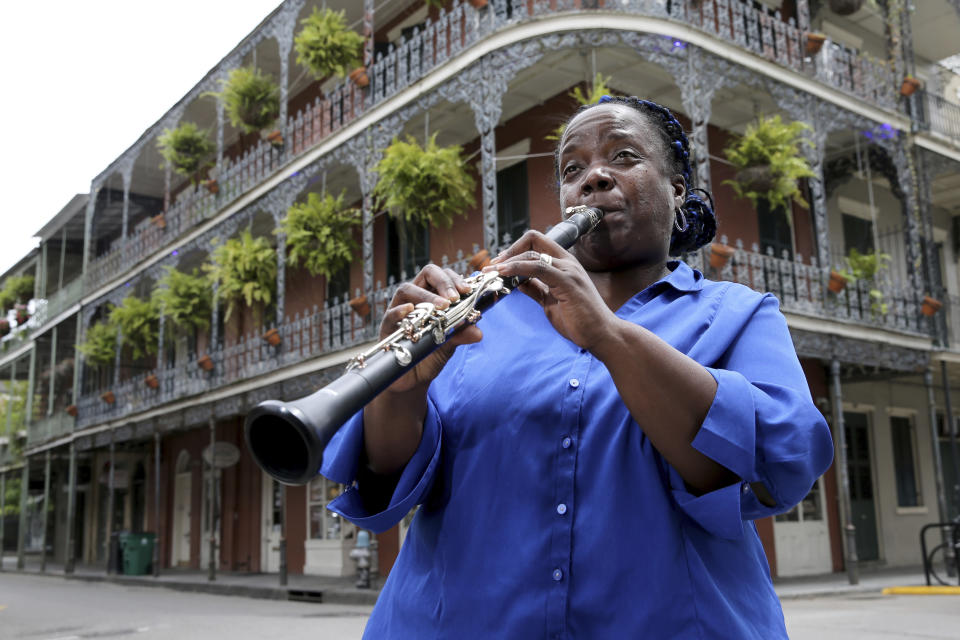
51 608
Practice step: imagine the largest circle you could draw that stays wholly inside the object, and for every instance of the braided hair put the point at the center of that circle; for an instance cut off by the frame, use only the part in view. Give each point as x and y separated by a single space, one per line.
701 221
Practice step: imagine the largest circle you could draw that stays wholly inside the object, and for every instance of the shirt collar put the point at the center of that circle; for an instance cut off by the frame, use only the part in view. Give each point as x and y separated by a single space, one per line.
682 277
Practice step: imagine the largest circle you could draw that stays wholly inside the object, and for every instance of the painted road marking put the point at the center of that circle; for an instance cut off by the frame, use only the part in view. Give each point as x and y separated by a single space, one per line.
920 591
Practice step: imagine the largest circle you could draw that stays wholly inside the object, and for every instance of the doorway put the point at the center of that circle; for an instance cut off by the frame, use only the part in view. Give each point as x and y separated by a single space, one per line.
271 501
860 473
801 538
180 549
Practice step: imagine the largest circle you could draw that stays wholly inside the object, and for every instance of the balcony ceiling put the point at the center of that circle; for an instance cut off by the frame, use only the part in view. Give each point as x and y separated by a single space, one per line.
936 25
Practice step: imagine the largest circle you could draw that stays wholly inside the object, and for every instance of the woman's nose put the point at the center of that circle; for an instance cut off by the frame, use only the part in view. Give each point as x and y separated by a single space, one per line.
597 178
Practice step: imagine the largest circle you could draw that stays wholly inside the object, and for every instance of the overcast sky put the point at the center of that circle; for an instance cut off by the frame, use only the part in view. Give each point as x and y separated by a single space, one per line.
85 78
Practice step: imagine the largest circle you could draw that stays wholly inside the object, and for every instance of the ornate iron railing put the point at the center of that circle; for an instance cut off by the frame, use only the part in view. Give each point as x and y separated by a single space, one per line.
939 115
759 30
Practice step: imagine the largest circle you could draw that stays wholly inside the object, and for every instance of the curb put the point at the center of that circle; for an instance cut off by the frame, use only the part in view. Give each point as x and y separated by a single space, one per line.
922 591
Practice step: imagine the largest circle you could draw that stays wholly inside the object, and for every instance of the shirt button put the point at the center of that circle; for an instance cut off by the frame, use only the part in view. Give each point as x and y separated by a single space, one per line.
557 575
746 488
561 508
566 442
574 383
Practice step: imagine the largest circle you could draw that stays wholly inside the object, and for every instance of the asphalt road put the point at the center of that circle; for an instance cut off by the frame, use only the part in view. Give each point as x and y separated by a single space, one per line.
51 608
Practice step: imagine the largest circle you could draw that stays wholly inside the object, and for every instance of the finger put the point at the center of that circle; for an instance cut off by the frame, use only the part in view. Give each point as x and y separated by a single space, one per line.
467 335
530 241
408 292
439 280
393 316
458 281
537 290
532 264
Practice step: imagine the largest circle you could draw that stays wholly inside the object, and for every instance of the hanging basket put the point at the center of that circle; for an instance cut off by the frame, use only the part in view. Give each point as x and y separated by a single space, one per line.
720 254
359 77
930 306
845 7
837 282
759 178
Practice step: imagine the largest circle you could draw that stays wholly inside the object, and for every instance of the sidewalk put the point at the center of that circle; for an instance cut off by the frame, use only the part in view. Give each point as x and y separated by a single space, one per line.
251 585
344 590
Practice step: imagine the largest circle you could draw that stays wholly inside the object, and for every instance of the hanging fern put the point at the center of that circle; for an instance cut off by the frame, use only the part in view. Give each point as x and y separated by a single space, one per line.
326 46
772 143
185 299
138 321
185 148
100 344
320 234
424 185
245 269
598 89
251 99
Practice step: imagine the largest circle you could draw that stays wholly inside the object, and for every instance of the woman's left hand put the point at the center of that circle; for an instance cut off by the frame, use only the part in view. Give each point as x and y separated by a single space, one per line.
560 284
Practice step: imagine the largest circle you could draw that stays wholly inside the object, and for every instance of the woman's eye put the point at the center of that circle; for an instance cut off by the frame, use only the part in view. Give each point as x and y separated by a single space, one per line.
626 154
570 168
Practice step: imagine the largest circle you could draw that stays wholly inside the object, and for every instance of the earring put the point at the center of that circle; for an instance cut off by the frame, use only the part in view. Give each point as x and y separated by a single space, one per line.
681 226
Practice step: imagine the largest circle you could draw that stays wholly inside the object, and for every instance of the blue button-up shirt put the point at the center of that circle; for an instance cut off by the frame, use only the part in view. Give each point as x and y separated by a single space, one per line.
547 513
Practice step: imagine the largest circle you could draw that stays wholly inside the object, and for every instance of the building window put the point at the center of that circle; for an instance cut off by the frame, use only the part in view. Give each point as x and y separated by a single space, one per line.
513 202
810 508
408 249
325 524
857 234
774 229
904 463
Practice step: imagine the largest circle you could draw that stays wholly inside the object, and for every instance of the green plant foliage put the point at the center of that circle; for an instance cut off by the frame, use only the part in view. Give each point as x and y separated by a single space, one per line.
16 289
598 89
138 320
251 99
326 46
776 144
320 234
11 505
245 268
865 267
424 185
100 345
185 148
185 299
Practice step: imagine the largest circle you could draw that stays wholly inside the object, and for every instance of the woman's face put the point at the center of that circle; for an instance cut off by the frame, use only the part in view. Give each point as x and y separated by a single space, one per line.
612 158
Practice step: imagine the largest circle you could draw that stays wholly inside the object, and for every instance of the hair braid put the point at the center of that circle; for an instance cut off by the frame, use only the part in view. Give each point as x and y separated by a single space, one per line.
701 220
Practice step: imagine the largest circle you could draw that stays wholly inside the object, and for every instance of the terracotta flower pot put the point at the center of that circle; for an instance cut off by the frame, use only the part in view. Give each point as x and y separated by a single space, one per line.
152 381
360 306
275 138
478 4
205 362
71 410
272 337
930 306
908 86
211 186
837 282
720 254
160 221
814 43
108 397
479 260
359 77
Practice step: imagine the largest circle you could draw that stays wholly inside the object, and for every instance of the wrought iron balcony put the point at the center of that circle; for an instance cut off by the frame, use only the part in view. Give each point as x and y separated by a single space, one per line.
939 115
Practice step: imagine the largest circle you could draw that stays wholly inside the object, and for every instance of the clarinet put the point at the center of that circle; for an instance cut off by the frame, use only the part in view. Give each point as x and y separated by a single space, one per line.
287 439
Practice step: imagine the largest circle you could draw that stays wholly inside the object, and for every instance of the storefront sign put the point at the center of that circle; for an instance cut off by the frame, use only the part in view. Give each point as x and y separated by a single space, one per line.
225 455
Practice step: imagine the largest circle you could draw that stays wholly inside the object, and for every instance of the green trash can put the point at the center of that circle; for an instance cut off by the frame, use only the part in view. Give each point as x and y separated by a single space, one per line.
137 553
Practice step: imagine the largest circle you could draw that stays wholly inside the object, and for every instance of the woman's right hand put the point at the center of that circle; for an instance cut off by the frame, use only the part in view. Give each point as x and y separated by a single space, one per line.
439 287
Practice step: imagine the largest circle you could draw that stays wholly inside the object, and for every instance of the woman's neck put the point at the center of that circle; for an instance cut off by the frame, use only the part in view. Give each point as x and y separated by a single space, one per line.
616 287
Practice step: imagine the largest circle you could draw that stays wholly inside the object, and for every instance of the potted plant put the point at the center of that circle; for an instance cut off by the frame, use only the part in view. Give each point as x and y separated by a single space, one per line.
159 220
108 397
138 321
4 327
597 90
720 254
71 410
21 314
319 234
908 86
186 149
845 7
479 260
152 381
211 185
360 305
185 299
272 336
814 42
865 267
326 46
100 344
837 281
359 77
245 268
930 306
205 362
250 98
769 162
21 287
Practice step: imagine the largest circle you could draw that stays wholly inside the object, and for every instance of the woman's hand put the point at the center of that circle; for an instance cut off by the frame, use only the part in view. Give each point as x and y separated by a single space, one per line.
560 284
439 287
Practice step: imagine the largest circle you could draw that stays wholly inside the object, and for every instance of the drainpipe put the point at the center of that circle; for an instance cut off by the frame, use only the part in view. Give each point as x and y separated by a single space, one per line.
951 431
156 502
836 399
935 444
68 556
22 528
211 561
3 508
46 503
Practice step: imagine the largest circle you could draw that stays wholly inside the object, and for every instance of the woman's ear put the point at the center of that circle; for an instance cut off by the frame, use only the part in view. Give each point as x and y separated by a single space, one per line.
679 190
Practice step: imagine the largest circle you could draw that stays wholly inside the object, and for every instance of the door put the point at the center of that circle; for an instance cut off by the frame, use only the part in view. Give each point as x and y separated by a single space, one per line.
801 538
211 519
180 549
271 500
860 473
